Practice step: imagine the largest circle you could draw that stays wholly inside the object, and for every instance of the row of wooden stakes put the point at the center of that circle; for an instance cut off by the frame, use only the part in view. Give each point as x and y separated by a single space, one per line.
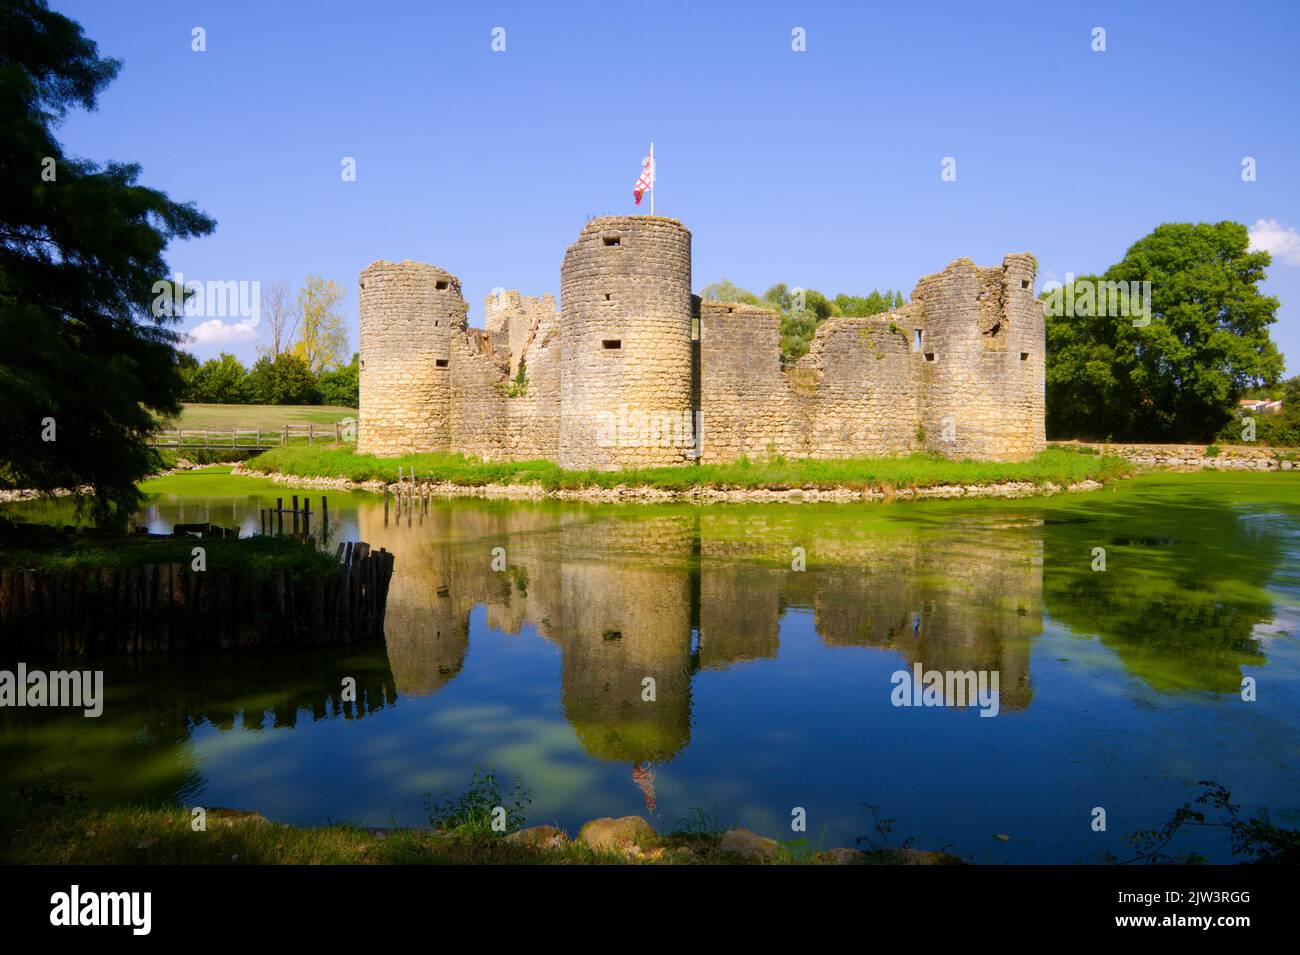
170 607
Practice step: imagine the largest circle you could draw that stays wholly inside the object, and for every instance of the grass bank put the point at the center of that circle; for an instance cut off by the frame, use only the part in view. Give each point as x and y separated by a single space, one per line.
40 547
165 836
1055 466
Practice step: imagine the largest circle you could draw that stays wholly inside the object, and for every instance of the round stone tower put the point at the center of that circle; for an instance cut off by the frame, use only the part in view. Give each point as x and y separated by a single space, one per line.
409 311
625 345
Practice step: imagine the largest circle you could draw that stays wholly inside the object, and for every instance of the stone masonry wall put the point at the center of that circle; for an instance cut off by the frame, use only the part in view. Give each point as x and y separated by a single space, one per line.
614 380
856 390
478 399
512 318
745 398
983 346
1197 457
533 414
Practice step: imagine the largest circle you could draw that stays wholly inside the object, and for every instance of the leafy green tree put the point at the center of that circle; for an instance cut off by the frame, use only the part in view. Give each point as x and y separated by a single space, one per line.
802 310
322 333
222 380
727 291
807 309
1177 378
342 386
282 380
1291 394
86 368
188 366
872 304
778 297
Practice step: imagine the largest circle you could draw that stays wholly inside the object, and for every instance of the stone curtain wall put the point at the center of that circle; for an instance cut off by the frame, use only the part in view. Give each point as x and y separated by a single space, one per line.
409 311
625 343
513 318
873 385
533 416
856 391
862 394
745 398
478 413
614 379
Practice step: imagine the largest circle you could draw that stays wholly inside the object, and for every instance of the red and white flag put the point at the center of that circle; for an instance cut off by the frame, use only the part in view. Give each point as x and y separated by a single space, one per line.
646 181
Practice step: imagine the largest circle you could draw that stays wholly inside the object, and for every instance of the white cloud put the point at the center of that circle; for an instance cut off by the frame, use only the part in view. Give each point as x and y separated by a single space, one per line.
1268 235
217 332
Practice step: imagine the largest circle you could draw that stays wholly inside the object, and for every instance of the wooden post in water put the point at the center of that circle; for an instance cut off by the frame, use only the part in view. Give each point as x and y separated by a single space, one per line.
385 504
295 515
324 519
279 510
306 517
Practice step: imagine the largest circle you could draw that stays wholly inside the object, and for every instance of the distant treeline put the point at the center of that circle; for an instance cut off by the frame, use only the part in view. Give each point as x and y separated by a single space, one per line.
283 379
802 310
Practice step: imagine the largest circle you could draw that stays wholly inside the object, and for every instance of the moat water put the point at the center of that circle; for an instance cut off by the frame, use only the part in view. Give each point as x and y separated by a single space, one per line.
773 686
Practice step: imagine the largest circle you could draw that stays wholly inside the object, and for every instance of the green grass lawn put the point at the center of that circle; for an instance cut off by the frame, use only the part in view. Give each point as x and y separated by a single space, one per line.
267 417
916 470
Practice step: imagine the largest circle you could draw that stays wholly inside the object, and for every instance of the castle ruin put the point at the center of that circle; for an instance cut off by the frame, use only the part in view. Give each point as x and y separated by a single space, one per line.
636 371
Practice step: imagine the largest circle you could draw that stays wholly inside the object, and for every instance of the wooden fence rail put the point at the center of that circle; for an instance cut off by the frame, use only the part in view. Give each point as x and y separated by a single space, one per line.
158 608
251 439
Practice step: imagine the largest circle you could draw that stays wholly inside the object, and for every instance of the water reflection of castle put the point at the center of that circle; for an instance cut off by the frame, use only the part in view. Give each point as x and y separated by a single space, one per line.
668 594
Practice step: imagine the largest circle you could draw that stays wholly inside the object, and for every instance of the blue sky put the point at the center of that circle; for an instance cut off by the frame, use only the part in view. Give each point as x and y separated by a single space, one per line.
818 168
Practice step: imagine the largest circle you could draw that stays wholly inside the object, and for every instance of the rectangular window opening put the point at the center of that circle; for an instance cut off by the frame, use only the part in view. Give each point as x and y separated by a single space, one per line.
440 362
1024 283
613 240
918 339
442 285
612 344
1024 356
929 356
609 297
